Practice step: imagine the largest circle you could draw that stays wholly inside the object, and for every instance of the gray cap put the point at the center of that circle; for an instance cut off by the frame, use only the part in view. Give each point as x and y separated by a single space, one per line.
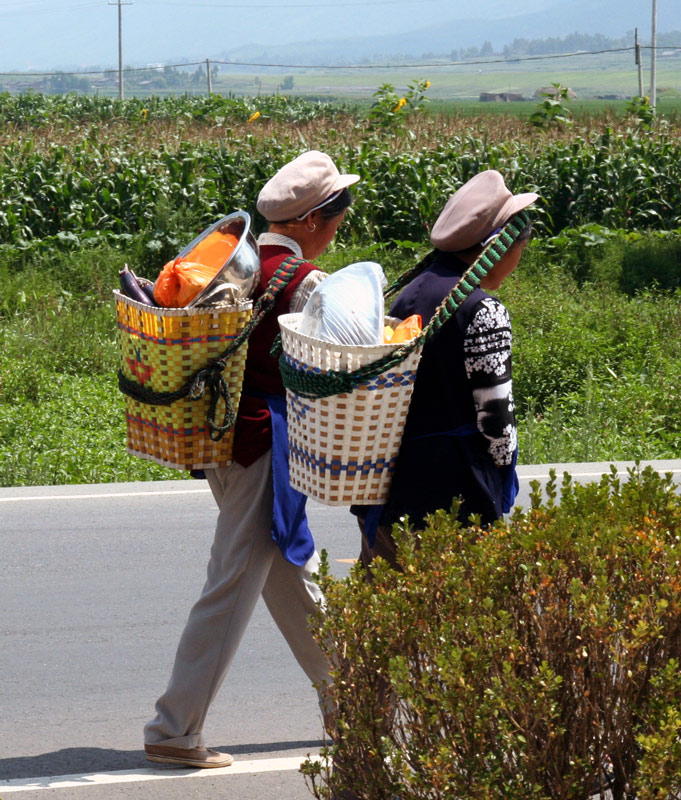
475 211
301 186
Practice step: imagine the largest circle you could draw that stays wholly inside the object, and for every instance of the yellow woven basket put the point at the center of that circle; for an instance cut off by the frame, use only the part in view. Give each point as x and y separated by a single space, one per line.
160 348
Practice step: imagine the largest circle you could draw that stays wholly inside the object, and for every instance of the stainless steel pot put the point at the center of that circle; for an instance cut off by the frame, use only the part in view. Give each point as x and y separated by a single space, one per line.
240 274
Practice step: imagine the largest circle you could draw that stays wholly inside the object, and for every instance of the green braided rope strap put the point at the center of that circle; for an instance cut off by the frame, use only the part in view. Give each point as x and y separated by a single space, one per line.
470 280
315 385
210 377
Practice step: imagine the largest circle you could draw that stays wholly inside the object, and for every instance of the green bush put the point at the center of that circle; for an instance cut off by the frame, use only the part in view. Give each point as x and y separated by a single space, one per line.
73 432
32 109
652 262
538 658
631 261
595 369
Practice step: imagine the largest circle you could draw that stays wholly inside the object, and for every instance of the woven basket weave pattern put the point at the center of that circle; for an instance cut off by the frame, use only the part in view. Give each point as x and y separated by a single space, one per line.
343 448
160 349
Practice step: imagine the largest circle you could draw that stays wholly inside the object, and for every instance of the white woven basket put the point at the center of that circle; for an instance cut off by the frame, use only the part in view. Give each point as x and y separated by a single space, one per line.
343 448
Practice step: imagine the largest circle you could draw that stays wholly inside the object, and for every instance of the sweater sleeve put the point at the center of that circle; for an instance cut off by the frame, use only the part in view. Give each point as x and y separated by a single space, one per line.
487 352
307 286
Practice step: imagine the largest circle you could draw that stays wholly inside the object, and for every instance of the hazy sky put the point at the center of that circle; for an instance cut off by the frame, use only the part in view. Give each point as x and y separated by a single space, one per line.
72 34
49 33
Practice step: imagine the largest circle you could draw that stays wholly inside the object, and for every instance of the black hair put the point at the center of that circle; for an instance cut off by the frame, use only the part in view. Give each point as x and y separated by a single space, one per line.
329 211
525 234
476 249
337 205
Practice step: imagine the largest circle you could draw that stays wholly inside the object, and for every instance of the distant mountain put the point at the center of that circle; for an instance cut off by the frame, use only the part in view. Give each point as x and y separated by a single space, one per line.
77 35
610 18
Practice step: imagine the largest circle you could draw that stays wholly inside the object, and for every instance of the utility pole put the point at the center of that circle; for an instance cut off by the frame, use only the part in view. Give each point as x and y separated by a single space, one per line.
209 78
653 60
119 3
639 66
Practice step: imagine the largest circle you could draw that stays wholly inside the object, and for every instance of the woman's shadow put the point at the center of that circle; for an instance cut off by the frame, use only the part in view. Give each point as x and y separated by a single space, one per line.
87 760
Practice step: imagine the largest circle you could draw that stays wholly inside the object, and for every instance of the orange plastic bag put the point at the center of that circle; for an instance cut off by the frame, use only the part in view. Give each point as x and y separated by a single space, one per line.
180 281
184 277
405 331
213 250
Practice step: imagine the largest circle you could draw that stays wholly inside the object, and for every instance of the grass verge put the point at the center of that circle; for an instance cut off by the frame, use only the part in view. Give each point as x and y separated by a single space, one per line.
595 367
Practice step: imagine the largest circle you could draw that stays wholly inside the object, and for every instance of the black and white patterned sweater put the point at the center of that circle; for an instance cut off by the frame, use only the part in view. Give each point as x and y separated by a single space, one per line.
487 349
460 435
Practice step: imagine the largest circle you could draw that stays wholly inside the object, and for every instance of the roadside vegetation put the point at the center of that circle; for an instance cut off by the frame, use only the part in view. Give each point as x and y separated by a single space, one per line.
535 659
87 185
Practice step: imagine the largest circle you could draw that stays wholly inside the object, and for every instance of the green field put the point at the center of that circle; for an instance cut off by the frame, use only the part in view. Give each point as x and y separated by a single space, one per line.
596 373
588 75
669 107
88 184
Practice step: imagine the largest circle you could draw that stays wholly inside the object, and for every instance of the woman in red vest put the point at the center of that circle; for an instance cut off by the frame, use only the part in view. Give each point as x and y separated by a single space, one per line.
263 545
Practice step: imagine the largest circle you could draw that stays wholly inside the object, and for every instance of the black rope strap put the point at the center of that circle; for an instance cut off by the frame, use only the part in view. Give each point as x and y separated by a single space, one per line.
315 385
210 378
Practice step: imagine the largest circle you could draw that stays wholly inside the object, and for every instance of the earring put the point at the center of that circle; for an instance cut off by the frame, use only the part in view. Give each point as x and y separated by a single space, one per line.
313 228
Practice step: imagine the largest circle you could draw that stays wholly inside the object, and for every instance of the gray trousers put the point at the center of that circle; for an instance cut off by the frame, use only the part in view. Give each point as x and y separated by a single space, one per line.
244 564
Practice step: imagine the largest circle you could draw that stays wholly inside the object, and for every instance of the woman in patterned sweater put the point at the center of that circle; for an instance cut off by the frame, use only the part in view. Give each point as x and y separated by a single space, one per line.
460 437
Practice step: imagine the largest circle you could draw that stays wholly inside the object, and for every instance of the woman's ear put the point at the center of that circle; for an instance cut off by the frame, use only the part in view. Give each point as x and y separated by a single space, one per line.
312 221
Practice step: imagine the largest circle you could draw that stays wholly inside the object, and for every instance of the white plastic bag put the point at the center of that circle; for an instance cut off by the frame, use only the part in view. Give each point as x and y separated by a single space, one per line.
347 308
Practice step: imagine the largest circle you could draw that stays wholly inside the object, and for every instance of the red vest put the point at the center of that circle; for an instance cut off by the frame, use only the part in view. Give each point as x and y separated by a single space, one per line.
253 430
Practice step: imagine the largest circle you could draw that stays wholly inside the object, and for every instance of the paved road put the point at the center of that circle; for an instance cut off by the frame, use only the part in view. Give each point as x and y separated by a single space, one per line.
95 585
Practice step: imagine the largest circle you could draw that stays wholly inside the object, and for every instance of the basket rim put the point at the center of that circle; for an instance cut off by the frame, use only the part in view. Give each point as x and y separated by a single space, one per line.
287 321
159 311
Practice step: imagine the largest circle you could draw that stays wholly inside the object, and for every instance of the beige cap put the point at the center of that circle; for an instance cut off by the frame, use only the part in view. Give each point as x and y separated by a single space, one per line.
301 186
475 211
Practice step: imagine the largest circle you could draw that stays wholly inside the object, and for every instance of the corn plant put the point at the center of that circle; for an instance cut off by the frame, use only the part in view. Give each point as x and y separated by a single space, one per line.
552 110
76 169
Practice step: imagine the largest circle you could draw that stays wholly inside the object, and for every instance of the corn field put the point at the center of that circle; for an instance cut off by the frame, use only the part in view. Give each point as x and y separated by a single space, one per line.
74 168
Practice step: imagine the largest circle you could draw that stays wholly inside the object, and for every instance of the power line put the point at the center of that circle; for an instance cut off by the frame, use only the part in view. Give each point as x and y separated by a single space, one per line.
157 68
430 65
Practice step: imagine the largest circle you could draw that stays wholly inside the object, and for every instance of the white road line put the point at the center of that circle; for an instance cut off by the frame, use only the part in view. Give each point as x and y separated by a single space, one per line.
102 496
150 774
161 492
